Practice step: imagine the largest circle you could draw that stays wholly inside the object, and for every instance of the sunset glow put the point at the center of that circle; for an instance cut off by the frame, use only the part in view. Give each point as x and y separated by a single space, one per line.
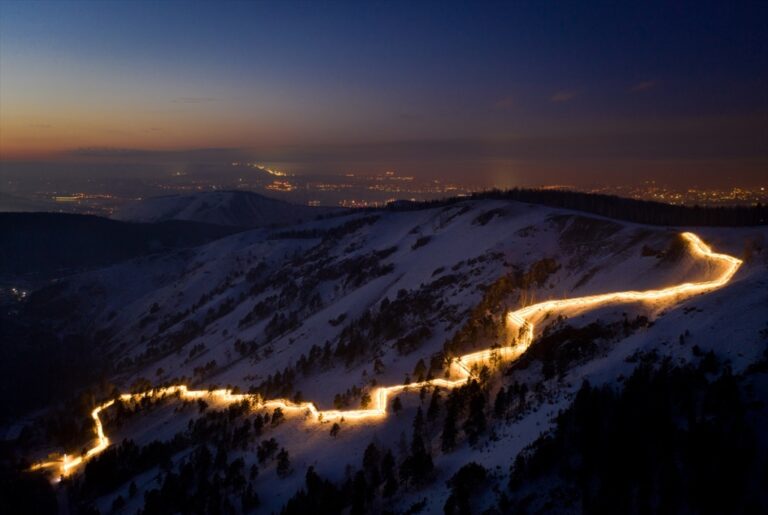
518 96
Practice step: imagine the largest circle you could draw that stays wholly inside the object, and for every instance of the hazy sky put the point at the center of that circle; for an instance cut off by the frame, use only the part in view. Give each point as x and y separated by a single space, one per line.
516 92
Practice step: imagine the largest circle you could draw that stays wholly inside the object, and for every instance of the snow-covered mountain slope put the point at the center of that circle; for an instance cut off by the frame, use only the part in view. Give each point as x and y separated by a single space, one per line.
238 208
326 310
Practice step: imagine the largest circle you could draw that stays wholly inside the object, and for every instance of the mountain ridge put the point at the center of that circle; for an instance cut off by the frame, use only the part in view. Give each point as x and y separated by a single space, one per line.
332 308
229 208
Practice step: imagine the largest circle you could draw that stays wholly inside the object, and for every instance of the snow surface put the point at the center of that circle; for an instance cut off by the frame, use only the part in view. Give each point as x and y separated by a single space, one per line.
596 256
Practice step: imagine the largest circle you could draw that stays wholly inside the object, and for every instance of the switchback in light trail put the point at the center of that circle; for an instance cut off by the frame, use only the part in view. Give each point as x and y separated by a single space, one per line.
462 368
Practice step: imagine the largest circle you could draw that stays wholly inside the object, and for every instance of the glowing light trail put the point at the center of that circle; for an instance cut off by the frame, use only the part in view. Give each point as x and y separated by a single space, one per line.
462 367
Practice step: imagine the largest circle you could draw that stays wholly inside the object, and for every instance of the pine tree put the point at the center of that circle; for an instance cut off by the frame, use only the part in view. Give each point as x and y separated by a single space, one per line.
475 423
359 494
277 416
418 422
449 434
249 500
388 474
418 464
371 464
434 406
283 463
420 370
500 404
463 485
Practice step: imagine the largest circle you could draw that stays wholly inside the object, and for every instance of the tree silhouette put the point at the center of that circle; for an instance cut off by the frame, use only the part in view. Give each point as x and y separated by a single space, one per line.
433 411
283 463
464 484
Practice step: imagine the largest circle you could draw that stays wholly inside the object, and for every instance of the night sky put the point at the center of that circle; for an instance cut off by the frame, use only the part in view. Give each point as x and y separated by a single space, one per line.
513 93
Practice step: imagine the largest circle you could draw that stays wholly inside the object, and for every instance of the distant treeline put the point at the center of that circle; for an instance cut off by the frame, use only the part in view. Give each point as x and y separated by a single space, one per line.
631 210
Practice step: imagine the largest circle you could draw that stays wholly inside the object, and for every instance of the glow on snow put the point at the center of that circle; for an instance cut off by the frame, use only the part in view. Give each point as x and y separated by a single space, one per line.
462 367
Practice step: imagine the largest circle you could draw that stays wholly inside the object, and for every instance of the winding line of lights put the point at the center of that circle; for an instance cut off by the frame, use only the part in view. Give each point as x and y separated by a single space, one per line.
462 366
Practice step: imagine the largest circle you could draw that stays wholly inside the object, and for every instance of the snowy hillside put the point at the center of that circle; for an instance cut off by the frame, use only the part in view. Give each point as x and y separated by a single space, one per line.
238 208
327 310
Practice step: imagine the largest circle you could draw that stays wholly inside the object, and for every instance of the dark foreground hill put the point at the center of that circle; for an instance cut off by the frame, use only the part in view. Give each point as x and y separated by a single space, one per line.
38 246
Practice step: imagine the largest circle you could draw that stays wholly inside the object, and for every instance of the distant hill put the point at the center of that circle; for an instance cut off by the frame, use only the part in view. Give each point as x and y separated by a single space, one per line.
11 203
45 245
233 208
